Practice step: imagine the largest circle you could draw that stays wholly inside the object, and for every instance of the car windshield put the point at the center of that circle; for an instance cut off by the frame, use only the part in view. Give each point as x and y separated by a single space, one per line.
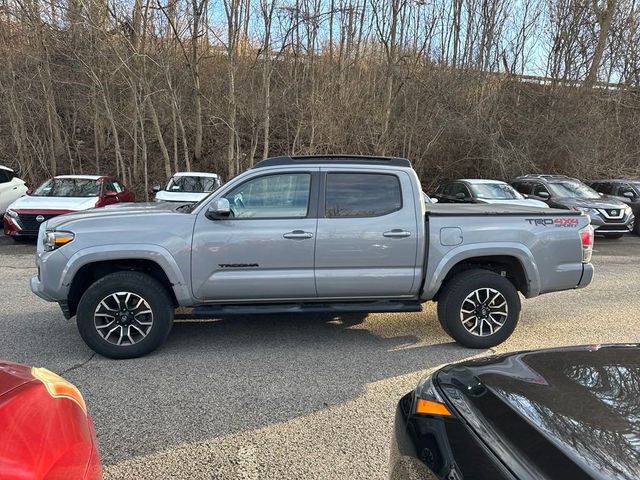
573 190
68 187
495 191
192 184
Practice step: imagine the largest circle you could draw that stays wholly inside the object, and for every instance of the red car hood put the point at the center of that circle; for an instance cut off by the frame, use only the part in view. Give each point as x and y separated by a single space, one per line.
12 375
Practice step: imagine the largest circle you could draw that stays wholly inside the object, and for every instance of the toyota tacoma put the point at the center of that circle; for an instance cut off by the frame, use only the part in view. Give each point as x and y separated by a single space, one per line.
307 234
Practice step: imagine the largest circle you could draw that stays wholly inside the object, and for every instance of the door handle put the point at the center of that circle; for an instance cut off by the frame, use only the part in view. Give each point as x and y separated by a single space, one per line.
298 235
396 233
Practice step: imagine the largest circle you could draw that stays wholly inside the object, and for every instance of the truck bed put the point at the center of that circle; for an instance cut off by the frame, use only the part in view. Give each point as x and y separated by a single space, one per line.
478 209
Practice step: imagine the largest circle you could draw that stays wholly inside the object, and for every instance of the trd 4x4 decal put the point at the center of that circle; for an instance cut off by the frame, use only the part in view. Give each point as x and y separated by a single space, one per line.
553 222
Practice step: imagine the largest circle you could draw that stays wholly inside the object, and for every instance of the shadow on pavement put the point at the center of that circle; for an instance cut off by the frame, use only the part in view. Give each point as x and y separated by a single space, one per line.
226 376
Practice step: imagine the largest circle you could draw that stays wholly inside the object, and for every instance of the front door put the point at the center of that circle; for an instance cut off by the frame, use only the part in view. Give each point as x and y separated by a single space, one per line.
265 250
367 235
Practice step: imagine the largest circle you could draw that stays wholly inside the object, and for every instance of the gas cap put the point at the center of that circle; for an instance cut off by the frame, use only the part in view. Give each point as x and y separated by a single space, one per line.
450 236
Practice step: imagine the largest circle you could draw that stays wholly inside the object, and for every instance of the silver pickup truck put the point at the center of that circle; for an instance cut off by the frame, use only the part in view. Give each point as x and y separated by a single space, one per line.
307 234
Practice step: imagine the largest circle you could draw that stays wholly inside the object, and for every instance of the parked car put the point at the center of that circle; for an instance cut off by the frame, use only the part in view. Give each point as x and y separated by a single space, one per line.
46 431
307 234
60 195
482 191
627 191
11 188
610 218
189 187
566 413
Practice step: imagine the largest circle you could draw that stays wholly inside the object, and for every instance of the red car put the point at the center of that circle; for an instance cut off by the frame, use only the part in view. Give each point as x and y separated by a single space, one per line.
60 195
46 433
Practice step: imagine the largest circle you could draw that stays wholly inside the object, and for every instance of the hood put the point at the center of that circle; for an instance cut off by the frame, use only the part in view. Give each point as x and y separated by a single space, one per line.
12 375
189 197
525 202
118 210
562 409
604 202
54 203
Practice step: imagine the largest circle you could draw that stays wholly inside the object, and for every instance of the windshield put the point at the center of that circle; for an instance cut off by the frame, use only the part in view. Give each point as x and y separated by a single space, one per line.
192 184
495 191
68 187
573 190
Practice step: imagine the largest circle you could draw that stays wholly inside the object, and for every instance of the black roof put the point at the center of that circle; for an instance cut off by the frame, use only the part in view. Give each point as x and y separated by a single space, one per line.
333 159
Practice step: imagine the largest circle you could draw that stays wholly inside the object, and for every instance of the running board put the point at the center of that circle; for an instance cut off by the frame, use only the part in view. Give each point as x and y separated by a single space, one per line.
209 311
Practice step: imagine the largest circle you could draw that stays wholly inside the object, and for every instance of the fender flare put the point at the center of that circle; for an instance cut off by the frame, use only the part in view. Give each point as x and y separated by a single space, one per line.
470 251
104 253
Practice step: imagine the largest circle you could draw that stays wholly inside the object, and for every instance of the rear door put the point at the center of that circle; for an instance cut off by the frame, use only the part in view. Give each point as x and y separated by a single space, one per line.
367 234
265 251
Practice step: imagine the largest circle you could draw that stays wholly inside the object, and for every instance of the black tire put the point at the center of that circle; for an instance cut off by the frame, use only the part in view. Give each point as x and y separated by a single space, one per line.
464 284
613 236
139 284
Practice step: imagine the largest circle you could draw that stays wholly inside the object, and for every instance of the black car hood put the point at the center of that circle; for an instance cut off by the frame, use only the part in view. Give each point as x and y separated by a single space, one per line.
603 202
566 413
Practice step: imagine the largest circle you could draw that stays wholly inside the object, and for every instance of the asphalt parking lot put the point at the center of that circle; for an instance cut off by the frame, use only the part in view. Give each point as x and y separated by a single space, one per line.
279 397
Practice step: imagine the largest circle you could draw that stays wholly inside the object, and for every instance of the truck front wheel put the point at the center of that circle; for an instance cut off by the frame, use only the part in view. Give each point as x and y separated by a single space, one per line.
125 315
479 308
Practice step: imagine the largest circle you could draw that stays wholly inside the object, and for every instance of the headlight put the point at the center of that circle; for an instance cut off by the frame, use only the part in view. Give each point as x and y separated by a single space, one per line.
54 240
429 401
584 209
12 213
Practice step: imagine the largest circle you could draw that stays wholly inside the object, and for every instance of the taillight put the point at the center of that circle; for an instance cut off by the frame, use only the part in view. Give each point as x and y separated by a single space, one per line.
586 236
58 387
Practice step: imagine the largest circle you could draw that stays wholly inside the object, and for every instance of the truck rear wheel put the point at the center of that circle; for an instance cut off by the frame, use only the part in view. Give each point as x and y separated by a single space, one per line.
125 315
479 308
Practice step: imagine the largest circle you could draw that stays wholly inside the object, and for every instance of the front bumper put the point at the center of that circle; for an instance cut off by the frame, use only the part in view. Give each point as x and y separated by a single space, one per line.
36 287
602 225
432 447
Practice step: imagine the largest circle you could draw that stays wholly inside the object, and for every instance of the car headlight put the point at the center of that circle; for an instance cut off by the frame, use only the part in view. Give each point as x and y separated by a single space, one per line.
12 213
54 240
584 209
428 400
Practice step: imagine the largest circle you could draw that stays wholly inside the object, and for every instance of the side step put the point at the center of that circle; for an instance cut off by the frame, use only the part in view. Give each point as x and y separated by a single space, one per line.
210 311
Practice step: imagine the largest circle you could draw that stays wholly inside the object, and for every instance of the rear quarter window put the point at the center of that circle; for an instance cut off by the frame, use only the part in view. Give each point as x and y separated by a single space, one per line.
362 195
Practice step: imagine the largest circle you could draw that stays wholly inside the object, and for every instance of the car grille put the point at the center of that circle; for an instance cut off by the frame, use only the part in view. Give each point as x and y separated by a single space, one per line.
30 225
612 213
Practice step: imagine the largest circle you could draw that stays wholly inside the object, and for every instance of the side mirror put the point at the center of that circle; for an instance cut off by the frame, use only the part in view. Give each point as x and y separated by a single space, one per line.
601 194
29 191
629 194
110 194
434 200
219 209
460 196
156 188
544 195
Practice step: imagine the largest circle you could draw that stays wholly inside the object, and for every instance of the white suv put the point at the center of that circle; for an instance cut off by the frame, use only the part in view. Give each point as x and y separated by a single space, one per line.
11 188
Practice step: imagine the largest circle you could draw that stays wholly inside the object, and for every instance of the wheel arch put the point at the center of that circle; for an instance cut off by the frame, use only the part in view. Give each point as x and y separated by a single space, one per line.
514 263
89 265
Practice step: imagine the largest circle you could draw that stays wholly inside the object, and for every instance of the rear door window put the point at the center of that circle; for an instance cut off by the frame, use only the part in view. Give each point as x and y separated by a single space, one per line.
362 195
